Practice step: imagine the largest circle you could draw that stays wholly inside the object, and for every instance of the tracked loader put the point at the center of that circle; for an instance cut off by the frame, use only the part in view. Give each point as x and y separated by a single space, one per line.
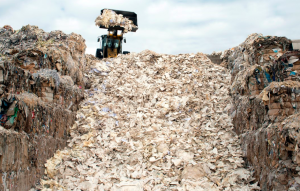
111 43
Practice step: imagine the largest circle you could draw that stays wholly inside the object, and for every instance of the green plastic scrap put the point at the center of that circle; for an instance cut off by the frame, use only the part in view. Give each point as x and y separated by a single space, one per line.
12 118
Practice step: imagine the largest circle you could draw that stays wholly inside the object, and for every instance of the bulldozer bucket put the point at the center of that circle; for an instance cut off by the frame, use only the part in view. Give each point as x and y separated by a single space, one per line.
130 15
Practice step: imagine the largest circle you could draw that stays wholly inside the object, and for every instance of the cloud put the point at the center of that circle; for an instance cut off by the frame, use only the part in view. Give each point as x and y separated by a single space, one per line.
170 27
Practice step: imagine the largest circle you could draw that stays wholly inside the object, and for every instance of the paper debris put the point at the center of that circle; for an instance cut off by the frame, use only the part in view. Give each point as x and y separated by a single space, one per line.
171 131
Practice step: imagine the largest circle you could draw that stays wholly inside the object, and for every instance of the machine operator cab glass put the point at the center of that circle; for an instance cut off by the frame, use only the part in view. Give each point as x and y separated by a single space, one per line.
114 41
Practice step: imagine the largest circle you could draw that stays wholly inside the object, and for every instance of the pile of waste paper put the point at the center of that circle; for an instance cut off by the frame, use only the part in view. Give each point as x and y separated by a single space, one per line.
152 122
109 18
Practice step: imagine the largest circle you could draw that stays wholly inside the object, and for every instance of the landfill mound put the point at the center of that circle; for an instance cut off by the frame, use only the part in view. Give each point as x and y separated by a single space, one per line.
152 122
266 98
41 85
148 121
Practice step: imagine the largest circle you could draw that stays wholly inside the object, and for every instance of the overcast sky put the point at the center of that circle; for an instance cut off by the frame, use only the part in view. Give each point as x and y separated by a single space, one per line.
165 26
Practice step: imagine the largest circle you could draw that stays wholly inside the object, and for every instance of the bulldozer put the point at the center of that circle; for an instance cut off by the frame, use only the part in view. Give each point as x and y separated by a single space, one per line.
111 43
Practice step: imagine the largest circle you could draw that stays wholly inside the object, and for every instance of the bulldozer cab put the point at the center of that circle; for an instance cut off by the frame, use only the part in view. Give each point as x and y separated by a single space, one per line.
111 44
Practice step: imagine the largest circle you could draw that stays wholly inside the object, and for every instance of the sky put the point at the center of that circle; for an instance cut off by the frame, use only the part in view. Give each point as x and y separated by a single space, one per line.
165 26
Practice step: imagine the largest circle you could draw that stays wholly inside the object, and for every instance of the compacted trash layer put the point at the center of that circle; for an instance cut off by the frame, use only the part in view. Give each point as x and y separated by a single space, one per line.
266 98
41 86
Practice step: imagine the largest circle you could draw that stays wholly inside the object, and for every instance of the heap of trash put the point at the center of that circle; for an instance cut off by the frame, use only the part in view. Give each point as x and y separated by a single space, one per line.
152 122
110 18
41 86
266 98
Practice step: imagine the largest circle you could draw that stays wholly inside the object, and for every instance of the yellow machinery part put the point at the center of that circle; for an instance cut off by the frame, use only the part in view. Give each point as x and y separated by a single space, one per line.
112 53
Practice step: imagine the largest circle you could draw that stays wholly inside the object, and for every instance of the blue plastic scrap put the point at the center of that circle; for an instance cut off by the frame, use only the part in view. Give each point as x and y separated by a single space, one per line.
268 77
